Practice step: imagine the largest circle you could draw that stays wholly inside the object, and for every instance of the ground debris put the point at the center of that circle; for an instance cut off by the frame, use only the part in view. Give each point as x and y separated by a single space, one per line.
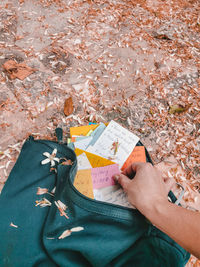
178 108
124 60
68 106
17 70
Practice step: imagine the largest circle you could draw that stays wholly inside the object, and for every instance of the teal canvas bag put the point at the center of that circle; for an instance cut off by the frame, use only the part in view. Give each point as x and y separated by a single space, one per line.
85 232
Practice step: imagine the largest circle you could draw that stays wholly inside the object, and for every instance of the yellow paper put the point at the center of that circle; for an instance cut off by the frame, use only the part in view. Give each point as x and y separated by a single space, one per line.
89 133
95 161
82 130
83 183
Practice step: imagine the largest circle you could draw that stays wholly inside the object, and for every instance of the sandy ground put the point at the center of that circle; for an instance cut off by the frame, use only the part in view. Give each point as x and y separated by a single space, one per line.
137 62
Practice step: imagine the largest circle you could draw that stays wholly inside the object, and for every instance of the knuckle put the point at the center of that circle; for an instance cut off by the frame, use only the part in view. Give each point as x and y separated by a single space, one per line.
148 165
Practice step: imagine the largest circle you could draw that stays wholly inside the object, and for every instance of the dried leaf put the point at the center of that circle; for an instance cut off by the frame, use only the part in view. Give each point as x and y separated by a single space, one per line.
162 37
178 108
67 162
17 70
53 170
129 121
68 106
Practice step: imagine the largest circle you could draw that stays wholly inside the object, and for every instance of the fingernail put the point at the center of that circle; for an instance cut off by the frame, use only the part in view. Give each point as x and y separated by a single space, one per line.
116 177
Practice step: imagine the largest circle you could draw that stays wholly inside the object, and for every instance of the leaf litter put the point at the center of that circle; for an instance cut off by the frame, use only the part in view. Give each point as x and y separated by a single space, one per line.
125 54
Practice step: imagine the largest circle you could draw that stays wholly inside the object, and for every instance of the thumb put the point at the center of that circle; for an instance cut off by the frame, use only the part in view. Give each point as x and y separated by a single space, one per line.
123 180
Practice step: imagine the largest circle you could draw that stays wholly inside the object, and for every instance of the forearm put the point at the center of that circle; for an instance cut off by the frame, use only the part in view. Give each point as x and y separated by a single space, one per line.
182 225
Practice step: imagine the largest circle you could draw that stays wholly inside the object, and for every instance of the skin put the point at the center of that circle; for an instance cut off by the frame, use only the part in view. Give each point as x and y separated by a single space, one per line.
182 225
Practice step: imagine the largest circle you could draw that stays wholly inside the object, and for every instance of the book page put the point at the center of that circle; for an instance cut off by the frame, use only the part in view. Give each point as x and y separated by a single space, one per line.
95 161
112 194
83 162
116 143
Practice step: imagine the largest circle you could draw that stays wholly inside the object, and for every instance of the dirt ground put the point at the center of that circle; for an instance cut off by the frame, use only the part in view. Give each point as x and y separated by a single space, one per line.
137 62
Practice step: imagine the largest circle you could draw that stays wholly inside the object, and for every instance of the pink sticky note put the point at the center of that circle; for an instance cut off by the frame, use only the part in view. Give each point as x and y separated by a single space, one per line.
102 176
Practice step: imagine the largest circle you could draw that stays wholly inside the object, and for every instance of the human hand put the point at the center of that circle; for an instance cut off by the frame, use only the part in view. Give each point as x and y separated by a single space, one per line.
147 188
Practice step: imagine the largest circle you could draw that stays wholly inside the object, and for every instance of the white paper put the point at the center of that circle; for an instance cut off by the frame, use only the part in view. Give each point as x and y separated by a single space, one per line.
112 134
112 194
83 162
82 144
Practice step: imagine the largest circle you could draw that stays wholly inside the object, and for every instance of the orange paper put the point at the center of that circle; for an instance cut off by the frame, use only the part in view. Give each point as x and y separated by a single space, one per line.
83 183
137 155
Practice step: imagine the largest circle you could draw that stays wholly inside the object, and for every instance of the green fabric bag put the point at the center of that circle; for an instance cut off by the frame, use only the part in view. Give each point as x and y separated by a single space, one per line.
111 235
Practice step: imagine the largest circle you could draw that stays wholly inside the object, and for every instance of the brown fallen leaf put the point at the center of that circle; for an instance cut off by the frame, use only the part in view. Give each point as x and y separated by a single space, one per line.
178 108
17 70
161 37
68 106
67 162
19 37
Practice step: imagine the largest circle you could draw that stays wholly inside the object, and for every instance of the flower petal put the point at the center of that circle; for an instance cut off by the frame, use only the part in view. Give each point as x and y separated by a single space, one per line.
45 161
42 191
13 225
65 234
60 204
46 154
77 229
53 190
54 151
56 159
52 163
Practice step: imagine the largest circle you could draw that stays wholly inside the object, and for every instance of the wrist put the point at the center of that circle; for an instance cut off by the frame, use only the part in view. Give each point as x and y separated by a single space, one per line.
155 210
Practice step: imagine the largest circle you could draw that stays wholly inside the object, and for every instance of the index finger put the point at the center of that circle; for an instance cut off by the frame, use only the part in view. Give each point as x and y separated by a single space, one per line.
133 168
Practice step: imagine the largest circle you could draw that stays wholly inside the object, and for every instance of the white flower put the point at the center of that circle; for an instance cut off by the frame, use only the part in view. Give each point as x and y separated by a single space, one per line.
50 158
